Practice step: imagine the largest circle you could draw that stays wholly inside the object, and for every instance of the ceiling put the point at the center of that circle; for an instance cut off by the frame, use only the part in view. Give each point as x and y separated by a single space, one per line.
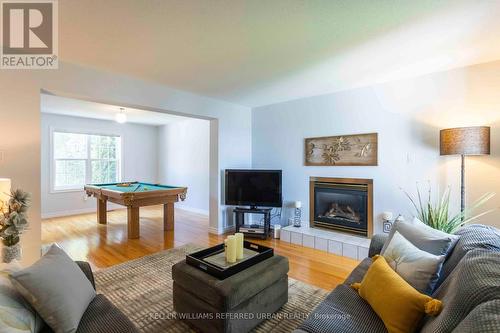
258 52
78 108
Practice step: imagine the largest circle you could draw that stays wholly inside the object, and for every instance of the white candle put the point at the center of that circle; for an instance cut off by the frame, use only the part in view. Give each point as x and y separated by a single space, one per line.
239 245
387 216
231 249
297 204
225 248
5 185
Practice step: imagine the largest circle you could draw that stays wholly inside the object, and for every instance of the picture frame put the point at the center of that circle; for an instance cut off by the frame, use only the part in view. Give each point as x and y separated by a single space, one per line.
342 150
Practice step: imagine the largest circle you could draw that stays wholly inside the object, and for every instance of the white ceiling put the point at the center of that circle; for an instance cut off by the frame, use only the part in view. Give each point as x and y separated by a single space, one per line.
78 108
257 52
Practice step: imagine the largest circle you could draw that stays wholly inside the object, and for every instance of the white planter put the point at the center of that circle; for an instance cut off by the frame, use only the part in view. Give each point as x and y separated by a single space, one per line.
10 253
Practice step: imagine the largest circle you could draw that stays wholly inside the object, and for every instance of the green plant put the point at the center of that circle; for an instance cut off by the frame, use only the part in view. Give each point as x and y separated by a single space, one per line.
13 217
437 214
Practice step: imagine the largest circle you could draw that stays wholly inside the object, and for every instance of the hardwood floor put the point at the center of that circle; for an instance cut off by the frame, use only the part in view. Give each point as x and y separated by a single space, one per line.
106 245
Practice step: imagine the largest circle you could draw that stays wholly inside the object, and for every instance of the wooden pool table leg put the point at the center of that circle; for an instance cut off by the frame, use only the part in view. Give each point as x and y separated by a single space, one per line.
101 211
133 222
168 216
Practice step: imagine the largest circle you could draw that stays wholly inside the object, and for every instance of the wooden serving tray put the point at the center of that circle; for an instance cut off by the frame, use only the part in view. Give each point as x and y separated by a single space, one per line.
213 261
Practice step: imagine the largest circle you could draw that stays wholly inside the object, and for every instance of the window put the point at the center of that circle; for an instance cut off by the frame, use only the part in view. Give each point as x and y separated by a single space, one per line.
84 158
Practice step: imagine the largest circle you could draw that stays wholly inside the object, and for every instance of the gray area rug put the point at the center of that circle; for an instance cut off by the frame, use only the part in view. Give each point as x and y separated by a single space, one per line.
142 289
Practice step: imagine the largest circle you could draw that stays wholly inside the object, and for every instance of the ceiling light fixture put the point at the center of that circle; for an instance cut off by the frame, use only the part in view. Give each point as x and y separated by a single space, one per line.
121 117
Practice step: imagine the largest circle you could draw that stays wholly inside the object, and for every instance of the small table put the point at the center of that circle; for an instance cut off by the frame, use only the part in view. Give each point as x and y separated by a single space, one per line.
234 305
260 230
133 196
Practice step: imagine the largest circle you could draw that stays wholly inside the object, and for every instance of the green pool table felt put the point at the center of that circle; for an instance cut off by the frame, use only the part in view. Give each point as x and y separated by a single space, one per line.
135 187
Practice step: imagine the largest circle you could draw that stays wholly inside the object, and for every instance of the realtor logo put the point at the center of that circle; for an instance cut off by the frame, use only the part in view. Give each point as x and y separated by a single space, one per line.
29 35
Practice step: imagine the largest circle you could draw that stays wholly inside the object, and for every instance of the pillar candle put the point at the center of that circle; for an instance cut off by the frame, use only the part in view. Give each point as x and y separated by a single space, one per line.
225 248
231 249
239 245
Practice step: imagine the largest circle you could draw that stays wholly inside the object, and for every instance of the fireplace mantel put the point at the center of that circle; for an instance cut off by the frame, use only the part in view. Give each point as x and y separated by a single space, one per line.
342 204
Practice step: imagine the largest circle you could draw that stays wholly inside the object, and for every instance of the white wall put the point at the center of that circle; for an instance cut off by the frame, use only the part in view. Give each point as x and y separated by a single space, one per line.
139 159
407 116
230 128
183 157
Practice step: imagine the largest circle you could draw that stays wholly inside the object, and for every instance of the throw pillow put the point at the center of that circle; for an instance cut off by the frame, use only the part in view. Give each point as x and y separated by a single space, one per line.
419 268
16 315
398 304
424 237
57 288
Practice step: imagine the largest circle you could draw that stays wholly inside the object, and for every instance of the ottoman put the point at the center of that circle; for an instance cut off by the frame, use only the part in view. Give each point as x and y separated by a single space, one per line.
235 304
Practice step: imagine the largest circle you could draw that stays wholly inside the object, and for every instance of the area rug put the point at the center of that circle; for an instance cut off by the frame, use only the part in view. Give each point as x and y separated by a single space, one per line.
142 289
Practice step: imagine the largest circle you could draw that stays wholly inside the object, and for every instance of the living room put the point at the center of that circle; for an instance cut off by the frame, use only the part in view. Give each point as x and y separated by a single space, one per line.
396 99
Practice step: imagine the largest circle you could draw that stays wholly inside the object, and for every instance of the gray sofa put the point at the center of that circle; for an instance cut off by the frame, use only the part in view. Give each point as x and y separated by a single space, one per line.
101 316
469 287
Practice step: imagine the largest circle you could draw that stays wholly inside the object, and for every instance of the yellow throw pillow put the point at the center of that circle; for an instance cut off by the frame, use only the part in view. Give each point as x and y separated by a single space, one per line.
398 304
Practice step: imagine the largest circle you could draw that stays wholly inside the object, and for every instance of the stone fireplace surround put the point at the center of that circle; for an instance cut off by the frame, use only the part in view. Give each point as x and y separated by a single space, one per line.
338 243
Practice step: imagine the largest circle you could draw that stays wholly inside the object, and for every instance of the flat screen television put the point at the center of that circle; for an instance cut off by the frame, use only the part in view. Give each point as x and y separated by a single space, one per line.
253 188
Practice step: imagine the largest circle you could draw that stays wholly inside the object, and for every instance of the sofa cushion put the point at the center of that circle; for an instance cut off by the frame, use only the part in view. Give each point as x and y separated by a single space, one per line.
424 237
102 317
359 272
474 236
473 282
57 289
484 318
344 311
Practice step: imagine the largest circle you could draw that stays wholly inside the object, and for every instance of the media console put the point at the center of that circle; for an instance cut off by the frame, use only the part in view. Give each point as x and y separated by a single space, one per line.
261 229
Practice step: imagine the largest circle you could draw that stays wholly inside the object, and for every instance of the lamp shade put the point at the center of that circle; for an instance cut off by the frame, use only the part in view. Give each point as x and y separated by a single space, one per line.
5 185
465 141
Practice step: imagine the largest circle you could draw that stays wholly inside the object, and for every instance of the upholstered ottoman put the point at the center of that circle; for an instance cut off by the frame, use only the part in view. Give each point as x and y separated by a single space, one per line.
236 304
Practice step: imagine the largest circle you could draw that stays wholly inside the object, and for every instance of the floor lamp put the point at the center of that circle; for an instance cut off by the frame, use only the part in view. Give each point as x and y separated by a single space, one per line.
465 141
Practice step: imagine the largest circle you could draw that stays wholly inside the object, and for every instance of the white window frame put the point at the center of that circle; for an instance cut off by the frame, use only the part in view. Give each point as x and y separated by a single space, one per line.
88 160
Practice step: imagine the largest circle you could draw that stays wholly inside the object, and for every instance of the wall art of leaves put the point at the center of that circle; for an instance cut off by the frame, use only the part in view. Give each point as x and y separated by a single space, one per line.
342 150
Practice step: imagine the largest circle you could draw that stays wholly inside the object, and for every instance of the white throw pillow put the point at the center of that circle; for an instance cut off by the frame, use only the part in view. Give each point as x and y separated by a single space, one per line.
16 315
419 268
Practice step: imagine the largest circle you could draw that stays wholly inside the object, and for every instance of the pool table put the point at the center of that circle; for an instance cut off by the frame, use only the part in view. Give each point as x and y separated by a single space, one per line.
134 195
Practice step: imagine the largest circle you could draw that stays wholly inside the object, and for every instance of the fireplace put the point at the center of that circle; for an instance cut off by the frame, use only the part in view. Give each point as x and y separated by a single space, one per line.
342 204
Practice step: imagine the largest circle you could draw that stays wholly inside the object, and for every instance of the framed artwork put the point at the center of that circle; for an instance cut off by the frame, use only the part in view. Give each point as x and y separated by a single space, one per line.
342 150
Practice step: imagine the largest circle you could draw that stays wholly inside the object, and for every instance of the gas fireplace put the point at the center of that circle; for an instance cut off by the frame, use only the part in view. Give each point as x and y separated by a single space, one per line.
342 204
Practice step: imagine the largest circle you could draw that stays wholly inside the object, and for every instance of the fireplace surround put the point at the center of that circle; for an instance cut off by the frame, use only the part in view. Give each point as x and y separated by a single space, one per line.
342 204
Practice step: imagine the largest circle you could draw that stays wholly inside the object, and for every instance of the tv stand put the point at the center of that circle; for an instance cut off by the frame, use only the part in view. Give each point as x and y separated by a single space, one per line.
260 230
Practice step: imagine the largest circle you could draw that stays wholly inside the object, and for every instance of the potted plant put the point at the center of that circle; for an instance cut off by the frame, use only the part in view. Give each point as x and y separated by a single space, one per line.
437 214
13 221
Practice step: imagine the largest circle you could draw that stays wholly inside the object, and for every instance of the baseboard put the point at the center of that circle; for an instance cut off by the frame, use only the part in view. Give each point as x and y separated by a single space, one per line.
74 212
193 210
217 231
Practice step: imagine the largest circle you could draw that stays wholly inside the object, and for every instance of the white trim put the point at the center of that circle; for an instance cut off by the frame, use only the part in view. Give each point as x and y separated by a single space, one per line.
75 212
53 129
217 231
193 209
